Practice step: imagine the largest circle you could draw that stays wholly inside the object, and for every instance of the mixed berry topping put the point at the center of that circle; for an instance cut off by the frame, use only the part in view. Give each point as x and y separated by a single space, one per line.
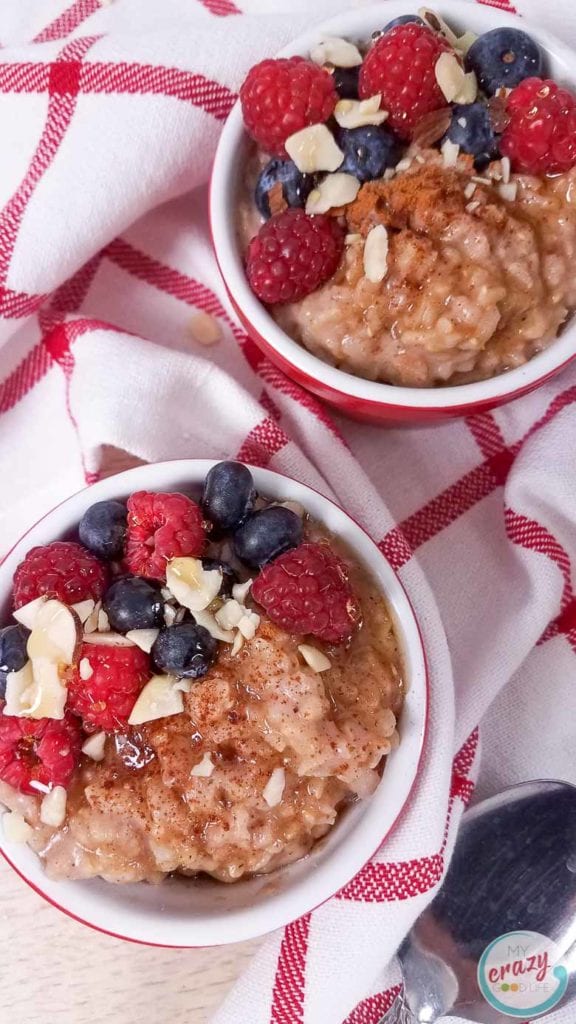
64 570
97 651
354 114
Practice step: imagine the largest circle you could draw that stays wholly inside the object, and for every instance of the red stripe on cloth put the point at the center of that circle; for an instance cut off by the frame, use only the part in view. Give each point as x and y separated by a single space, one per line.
262 443
502 5
288 991
14 305
372 1009
486 433
24 76
151 79
70 295
221 8
532 535
69 20
63 87
32 369
388 882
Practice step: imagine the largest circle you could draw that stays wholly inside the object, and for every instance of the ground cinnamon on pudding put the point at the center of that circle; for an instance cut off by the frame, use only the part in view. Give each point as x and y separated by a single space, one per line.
426 200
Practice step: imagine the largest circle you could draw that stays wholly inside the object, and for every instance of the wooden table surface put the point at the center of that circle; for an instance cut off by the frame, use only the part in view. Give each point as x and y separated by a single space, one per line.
53 969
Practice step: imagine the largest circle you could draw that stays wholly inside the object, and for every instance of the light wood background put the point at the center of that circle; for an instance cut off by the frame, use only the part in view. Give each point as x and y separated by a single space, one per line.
56 971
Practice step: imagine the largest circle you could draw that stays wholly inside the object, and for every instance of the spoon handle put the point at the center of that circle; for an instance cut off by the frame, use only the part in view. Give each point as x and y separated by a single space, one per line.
398 1013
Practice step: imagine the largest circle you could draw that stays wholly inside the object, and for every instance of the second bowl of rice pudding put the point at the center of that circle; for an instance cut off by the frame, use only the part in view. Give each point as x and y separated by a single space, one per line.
474 305
284 753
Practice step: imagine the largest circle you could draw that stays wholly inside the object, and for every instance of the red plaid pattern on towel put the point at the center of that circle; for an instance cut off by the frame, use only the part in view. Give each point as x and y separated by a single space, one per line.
109 117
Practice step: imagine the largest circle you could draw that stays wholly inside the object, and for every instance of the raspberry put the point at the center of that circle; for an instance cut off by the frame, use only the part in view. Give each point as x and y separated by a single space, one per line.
292 255
540 137
307 590
105 700
161 527
280 97
401 68
64 570
43 750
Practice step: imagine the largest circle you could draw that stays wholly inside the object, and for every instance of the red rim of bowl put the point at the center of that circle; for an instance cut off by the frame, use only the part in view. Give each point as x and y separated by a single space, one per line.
389 831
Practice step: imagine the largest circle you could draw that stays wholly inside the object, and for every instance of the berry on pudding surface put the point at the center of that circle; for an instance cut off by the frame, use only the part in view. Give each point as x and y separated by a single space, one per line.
227 682
419 229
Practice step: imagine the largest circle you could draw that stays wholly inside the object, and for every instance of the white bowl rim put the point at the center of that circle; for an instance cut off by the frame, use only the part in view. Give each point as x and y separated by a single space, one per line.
378 815
463 397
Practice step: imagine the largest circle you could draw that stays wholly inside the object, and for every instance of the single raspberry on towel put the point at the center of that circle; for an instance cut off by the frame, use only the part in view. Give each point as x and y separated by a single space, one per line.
540 137
161 527
64 570
307 590
292 255
105 699
400 67
44 750
282 96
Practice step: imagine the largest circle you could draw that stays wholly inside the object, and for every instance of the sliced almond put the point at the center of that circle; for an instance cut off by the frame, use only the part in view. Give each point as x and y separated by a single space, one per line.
274 788
158 699
85 669
94 746
249 624
143 638
107 640
184 685
316 659
357 113
339 52
352 239
47 696
456 85
17 684
470 189
204 768
53 807
508 191
229 614
450 152
505 165
207 620
240 591
314 149
437 24
26 615
56 635
238 644
464 42
40 787
103 622
15 828
334 191
169 615
91 623
404 165
376 254
193 586
84 609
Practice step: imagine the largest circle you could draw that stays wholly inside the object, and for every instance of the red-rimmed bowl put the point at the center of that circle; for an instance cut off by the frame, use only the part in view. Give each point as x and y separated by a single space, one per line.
184 913
353 395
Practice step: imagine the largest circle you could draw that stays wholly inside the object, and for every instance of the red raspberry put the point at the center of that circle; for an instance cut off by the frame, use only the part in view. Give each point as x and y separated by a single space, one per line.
401 67
292 255
105 700
161 527
280 97
307 590
45 750
540 137
63 570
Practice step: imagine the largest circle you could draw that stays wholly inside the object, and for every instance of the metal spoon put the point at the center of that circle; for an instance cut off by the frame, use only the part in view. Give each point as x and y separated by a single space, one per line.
498 942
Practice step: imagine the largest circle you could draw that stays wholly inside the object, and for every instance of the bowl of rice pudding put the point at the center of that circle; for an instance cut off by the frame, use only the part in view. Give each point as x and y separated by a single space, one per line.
213 703
450 289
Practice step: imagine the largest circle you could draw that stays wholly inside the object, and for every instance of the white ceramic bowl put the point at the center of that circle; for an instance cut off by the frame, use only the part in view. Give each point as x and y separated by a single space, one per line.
181 912
353 395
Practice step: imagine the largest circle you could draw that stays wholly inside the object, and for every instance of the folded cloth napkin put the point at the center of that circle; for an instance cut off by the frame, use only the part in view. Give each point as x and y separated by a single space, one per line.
109 117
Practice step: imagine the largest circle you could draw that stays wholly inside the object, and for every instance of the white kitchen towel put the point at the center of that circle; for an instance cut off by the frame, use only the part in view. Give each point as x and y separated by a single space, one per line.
109 118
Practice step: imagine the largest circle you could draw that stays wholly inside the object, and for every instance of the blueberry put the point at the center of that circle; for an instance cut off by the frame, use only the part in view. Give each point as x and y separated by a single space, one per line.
296 187
367 151
13 654
229 577
229 495
405 19
133 603
471 129
504 57
266 534
186 650
346 82
103 528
